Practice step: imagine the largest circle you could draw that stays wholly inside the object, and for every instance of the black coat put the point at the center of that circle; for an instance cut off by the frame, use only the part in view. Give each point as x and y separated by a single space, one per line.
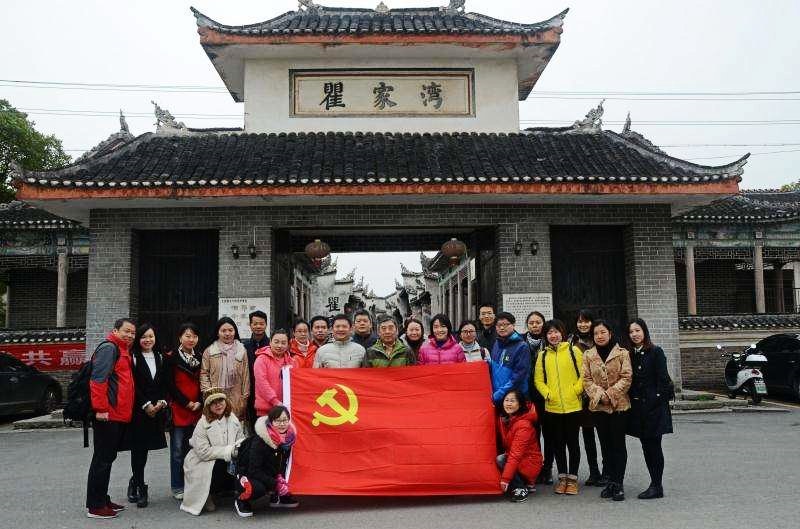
148 432
266 462
650 389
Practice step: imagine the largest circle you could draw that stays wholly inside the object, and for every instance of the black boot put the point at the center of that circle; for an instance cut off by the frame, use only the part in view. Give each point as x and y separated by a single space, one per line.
608 492
651 493
619 492
133 495
545 477
143 499
594 478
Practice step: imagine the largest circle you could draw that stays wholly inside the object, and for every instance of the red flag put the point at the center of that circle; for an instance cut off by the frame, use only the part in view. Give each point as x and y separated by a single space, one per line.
402 431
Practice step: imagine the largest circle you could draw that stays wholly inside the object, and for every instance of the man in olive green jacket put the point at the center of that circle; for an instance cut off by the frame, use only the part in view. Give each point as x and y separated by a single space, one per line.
388 351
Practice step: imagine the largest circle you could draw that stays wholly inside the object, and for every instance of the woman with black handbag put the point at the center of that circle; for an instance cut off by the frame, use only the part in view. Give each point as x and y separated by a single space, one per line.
651 391
150 409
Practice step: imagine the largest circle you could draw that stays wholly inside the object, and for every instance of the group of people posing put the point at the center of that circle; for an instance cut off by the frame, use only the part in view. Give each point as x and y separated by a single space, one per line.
230 432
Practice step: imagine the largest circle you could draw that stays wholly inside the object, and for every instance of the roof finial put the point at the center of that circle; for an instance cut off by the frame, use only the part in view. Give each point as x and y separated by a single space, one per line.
382 8
165 120
627 127
593 120
310 6
123 125
455 6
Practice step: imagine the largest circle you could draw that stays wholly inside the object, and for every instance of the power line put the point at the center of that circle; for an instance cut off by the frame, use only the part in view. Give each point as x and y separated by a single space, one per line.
665 93
737 155
675 122
642 98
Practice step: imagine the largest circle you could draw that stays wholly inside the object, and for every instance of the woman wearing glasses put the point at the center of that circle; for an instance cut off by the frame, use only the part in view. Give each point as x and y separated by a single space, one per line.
468 340
263 473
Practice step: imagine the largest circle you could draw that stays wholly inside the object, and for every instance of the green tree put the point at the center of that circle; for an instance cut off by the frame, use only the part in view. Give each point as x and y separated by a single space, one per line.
20 142
794 186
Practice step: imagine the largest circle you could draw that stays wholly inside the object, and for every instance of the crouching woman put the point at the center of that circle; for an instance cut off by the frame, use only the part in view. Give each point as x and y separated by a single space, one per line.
264 470
521 461
214 441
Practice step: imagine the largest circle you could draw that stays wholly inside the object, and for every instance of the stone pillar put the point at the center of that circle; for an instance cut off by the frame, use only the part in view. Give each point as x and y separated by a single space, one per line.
758 272
780 306
691 286
61 292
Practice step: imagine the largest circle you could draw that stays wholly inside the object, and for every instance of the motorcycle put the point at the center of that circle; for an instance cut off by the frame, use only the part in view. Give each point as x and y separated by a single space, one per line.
743 373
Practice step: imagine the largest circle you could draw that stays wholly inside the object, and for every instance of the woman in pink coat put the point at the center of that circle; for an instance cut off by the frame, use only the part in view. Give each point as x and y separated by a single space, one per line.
441 347
270 361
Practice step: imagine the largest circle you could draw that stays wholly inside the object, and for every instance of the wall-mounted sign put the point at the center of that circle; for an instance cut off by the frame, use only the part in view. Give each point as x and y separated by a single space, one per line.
384 92
48 356
520 305
239 308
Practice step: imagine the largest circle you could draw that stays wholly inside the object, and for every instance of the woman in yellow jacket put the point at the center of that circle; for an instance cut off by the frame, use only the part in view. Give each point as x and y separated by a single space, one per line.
560 381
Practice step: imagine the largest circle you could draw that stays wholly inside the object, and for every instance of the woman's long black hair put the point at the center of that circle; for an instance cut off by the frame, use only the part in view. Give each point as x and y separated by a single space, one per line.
140 330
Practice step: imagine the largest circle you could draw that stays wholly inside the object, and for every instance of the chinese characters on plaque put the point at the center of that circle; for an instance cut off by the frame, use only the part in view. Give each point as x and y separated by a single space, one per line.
374 93
239 310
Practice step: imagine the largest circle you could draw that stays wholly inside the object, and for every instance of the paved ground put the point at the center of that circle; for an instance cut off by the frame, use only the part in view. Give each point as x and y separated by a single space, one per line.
723 470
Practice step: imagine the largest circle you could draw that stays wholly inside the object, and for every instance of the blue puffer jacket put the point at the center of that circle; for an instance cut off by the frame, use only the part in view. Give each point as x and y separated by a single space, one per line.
510 365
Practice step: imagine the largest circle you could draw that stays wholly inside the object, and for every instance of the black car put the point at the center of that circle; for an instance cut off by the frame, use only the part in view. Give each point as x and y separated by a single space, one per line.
24 388
782 372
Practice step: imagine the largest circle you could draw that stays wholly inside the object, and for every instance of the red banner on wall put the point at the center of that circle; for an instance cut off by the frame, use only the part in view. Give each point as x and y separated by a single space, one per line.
48 356
407 431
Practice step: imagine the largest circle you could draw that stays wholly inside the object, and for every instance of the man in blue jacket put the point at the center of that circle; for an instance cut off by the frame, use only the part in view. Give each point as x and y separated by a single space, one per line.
511 359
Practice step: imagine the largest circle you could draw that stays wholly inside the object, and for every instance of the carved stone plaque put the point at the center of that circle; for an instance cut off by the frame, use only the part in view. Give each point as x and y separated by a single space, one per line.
381 93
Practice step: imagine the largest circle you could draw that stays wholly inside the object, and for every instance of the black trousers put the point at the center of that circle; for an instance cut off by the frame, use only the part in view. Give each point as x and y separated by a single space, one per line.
107 438
561 431
138 462
590 446
654 459
611 430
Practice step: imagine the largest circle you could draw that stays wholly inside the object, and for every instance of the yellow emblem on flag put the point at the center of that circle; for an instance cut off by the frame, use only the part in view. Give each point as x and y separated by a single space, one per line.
343 415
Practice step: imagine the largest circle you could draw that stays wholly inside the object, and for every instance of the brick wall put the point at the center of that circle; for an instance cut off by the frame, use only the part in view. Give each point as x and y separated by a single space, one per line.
32 296
651 279
703 368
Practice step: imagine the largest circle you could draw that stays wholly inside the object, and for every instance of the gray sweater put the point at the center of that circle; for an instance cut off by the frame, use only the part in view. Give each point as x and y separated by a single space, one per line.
340 354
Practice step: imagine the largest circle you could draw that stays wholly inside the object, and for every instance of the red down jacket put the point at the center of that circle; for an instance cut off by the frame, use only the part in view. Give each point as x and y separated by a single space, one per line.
521 445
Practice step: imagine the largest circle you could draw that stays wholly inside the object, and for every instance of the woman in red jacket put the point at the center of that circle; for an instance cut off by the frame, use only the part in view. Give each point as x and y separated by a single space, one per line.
521 461
183 386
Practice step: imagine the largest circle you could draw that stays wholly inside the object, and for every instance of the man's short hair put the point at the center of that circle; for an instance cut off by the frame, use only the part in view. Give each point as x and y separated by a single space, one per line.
383 318
362 312
506 316
122 321
316 319
256 314
342 317
490 305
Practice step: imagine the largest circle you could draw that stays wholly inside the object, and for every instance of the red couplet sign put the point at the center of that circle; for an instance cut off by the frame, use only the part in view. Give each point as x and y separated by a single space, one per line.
48 356
407 431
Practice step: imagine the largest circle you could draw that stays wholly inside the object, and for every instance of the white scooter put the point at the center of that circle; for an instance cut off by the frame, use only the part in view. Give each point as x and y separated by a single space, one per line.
743 373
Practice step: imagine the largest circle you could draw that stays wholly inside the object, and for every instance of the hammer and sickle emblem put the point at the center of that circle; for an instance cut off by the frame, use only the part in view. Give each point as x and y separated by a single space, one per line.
343 415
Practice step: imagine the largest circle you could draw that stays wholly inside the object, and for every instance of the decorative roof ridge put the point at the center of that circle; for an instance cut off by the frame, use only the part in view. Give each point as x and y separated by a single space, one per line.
30 176
777 211
109 144
732 169
775 191
555 21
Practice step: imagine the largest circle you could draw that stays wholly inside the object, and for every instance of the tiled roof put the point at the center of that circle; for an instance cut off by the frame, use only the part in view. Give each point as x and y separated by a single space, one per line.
19 215
239 160
740 322
750 206
43 336
349 21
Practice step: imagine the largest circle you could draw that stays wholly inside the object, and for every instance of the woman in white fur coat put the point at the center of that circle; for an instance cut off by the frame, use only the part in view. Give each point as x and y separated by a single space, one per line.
216 437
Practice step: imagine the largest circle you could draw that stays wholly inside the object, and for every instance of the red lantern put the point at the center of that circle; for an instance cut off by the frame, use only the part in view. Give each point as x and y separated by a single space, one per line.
454 250
317 250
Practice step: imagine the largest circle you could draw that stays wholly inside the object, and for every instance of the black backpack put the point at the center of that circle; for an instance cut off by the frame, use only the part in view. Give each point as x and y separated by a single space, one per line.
78 406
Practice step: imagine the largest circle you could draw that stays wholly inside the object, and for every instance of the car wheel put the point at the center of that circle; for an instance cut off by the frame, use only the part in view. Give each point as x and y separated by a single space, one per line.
49 401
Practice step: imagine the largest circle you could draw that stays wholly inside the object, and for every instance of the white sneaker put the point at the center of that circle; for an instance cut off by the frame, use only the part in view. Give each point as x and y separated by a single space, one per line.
178 495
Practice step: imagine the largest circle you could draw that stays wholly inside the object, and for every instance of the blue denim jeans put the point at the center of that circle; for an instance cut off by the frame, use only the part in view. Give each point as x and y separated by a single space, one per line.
178 448
517 482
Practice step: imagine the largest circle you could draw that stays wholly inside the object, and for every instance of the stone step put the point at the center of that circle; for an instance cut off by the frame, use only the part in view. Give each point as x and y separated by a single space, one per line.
688 394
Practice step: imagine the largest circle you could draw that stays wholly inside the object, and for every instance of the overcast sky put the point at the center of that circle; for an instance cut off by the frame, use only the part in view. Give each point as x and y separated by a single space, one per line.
664 50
